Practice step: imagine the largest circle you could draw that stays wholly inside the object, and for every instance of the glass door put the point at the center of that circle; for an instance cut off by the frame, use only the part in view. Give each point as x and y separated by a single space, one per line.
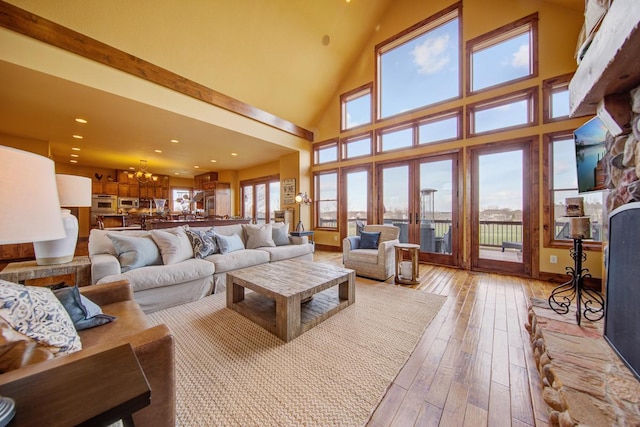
501 219
421 198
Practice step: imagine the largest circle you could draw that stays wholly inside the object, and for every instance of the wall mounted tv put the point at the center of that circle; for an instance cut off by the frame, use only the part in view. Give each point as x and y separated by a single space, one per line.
589 143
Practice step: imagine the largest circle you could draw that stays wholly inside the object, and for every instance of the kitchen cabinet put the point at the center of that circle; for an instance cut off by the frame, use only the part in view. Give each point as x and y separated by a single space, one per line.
199 181
110 188
129 190
155 189
216 199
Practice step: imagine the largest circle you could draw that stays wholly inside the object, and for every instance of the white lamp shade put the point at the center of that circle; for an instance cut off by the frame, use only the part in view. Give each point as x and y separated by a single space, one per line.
73 190
30 208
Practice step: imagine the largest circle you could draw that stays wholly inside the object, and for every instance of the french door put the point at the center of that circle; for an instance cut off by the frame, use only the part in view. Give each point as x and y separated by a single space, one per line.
420 197
502 205
355 203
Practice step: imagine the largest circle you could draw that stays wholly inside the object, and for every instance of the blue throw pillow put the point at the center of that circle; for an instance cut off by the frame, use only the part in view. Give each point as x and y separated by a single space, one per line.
229 243
369 240
83 312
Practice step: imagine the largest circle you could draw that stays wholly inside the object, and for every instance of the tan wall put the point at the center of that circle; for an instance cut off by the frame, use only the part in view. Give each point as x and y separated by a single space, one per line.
558 29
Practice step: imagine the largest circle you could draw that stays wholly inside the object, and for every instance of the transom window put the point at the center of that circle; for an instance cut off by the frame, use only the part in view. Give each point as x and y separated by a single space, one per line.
420 67
505 112
356 146
504 55
395 138
325 152
443 127
555 98
356 108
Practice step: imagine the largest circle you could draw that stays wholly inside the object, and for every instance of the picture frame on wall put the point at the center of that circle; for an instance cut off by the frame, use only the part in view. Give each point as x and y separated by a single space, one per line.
288 191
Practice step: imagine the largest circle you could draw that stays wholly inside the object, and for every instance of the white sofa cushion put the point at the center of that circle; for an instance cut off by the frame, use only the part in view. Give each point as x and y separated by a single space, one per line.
135 252
238 259
280 253
258 236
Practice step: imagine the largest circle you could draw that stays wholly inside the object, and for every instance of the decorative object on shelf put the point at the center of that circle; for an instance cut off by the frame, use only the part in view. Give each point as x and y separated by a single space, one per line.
34 212
143 175
73 191
301 199
288 191
574 206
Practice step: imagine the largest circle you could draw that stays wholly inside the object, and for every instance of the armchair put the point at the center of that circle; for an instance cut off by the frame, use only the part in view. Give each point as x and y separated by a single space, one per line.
377 263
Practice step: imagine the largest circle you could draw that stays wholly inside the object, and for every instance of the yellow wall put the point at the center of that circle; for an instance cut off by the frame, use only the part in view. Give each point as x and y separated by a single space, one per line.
558 30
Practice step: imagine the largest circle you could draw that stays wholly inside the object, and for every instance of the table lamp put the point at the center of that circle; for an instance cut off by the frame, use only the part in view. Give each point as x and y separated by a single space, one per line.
30 207
73 191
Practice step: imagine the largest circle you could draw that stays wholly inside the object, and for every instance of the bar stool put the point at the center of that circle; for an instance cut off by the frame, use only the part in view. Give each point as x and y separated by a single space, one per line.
412 250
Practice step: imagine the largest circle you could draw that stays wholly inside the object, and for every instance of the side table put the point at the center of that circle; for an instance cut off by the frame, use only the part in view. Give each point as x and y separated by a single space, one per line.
95 390
412 250
309 234
18 272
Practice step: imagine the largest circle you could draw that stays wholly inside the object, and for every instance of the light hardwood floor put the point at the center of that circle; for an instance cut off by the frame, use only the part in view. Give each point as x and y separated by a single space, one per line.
474 365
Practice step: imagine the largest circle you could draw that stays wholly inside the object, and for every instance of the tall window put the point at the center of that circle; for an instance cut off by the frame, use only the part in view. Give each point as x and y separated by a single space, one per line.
356 107
421 67
563 183
504 55
326 191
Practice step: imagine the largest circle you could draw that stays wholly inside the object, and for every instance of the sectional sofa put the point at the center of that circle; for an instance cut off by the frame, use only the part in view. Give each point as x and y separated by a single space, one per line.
178 265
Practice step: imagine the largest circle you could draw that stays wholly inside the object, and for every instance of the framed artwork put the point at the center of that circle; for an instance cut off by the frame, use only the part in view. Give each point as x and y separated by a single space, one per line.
288 191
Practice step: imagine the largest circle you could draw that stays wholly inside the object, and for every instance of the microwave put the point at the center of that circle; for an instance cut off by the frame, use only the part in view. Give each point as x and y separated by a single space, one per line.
104 204
128 202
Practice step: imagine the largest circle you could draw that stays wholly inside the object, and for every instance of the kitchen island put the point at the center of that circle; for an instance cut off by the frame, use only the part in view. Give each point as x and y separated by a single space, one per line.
154 224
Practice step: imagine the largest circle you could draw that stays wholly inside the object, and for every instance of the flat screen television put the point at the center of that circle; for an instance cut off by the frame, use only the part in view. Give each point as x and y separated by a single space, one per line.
590 149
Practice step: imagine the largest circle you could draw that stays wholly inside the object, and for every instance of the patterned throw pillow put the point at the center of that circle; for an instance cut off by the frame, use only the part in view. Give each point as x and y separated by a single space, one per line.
37 313
203 242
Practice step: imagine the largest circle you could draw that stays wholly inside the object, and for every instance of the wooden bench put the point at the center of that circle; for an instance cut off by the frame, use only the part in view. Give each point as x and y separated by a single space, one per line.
512 245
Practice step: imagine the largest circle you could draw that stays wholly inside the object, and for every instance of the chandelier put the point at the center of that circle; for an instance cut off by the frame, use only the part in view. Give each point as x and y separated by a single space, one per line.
143 175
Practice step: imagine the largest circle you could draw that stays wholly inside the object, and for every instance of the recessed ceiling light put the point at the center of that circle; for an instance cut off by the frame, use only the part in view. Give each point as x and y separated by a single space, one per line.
132 168
213 161
234 154
176 173
75 155
75 149
78 136
175 141
158 151
79 120
196 167
73 161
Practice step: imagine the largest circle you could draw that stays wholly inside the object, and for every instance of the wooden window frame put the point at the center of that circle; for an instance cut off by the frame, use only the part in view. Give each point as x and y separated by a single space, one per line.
530 94
530 23
549 87
356 93
548 201
324 145
316 202
344 142
266 180
379 133
407 35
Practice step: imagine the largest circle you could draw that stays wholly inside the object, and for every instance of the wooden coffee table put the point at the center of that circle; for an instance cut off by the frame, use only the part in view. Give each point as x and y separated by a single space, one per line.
279 289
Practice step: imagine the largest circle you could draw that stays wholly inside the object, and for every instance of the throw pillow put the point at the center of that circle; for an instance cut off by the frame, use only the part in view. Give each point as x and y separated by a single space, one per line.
280 234
83 312
202 242
369 240
258 236
229 243
134 252
37 313
174 245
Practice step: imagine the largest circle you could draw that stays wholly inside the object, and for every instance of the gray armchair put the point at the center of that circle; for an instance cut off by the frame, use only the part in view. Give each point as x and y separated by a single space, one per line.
377 263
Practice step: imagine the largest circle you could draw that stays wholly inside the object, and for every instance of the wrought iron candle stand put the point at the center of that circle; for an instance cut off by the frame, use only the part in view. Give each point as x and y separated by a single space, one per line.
562 296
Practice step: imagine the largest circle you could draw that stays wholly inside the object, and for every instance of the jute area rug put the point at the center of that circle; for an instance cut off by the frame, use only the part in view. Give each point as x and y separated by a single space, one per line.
232 372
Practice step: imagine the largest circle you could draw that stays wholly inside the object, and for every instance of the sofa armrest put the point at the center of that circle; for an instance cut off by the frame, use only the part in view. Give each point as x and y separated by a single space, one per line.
108 293
298 240
385 249
103 265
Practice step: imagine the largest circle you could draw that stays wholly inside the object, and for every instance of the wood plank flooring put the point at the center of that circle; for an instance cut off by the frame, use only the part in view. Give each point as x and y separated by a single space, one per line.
474 365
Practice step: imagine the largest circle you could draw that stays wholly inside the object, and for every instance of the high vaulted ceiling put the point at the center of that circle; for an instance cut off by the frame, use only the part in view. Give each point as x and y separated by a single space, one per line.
286 57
